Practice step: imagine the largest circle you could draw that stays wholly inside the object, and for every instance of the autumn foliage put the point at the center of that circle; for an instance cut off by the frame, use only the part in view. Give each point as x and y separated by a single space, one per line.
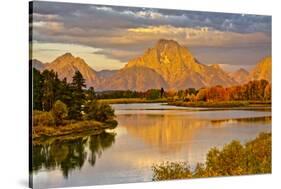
254 157
253 90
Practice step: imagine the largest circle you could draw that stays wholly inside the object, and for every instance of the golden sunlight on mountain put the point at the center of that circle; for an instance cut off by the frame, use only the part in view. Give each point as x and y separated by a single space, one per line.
164 135
262 70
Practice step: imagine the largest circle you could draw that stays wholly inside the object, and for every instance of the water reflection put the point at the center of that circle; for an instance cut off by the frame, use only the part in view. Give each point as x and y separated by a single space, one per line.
169 133
223 122
98 143
164 132
70 154
143 138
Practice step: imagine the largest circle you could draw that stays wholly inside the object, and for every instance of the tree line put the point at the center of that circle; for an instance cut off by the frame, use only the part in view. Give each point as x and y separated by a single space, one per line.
63 100
256 90
149 94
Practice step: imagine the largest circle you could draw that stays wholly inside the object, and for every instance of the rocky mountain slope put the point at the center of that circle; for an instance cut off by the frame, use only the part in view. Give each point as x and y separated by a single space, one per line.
133 78
66 66
179 67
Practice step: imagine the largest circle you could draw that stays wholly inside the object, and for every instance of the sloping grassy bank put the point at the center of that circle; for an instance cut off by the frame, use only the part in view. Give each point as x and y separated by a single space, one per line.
74 127
222 104
131 100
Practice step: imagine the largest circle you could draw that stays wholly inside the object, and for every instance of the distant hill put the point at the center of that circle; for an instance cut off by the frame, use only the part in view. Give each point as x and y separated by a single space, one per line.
241 75
37 64
106 73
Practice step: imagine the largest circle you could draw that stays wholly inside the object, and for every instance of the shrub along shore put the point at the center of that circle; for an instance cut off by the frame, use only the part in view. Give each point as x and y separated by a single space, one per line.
234 158
76 127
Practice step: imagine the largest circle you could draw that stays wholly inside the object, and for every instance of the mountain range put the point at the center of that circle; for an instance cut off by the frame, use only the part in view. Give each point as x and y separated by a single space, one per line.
167 64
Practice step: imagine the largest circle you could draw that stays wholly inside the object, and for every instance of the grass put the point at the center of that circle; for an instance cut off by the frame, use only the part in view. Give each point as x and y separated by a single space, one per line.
222 104
70 128
131 100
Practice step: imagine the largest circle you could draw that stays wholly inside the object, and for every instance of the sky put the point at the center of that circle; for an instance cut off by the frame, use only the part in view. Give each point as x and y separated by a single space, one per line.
107 37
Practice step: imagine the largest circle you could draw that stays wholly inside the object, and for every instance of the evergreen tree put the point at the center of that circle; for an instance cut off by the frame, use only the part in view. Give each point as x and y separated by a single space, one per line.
37 83
78 96
48 97
65 92
90 94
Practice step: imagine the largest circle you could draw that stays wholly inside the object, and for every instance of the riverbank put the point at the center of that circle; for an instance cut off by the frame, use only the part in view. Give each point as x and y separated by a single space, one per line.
76 127
131 100
223 104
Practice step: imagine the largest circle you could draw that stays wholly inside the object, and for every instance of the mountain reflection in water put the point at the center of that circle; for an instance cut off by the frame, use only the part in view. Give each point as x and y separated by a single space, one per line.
167 132
146 134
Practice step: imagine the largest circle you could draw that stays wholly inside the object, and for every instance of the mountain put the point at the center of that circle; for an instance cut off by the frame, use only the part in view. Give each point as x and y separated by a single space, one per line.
38 65
133 78
106 73
167 64
263 70
240 75
179 67
66 66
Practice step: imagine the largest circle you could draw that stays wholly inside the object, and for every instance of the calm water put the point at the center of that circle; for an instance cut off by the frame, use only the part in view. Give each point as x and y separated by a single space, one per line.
146 134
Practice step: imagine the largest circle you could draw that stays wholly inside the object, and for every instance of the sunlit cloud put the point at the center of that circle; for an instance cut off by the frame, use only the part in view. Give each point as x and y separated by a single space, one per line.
121 33
47 52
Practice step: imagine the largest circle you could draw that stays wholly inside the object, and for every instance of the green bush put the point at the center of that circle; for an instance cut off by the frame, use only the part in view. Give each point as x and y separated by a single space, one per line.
59 111
234 159
171 170
98 111
43 118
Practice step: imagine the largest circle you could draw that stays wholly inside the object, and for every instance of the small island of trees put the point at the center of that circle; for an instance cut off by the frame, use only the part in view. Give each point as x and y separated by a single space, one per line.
61 108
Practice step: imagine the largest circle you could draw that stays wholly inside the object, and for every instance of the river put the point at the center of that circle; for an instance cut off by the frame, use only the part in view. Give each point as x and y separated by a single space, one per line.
146 134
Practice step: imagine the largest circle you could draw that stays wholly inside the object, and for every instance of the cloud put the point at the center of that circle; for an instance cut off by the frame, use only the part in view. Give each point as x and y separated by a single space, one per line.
201 36
48 27
122 55
124 32
45 17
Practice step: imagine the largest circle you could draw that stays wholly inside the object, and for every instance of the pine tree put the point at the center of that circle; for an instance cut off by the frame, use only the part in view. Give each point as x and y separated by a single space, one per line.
48 97
90 94
37 84
78 96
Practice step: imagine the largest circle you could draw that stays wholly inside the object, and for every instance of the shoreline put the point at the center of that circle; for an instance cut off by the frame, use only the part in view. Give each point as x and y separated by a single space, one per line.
74 129
223 105
131 101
